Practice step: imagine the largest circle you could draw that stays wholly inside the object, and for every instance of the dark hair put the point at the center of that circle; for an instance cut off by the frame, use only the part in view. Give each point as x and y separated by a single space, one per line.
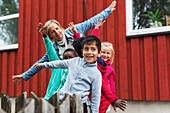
70 50
77 44
90 39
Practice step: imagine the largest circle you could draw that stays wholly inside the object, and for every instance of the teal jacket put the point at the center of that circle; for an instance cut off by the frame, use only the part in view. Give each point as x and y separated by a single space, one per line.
58 76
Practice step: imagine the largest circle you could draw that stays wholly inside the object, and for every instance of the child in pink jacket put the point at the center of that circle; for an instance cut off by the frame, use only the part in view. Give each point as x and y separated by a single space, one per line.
107 54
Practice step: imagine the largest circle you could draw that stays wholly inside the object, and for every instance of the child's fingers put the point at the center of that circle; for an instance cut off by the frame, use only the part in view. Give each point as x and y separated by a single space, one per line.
72 23
123 101
40 25
120 107
124 104
19 82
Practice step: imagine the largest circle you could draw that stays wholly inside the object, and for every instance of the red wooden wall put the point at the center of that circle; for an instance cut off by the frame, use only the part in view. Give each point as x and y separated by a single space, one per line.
142 64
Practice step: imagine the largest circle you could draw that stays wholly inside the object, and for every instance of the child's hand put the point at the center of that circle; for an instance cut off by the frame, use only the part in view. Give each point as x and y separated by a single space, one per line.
37 65
99 23
42 30
122 104
17 78
112 6
72 28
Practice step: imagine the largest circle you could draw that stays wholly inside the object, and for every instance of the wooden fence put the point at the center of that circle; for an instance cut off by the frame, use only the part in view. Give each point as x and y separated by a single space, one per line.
39 105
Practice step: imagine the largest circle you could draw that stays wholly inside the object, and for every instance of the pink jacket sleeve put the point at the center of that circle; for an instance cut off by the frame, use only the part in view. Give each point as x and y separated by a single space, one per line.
107 93
76 36
112 78
95 32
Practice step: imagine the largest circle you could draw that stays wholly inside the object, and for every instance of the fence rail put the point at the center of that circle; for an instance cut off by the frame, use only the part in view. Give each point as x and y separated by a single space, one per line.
34 104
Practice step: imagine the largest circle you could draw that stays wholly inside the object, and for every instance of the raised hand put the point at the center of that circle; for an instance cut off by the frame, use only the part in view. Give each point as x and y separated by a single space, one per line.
17 78
99 23
37 65
42 30
122 104
72 28
112 6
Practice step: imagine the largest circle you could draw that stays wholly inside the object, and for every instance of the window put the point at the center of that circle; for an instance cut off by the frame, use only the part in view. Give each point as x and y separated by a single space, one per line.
140 17
9 24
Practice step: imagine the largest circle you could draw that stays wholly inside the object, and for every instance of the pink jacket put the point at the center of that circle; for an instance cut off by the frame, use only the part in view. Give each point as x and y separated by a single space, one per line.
110 77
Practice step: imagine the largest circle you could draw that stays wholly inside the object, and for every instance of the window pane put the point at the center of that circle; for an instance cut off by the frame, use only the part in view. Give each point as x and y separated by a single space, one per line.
9 31
141 9
8 7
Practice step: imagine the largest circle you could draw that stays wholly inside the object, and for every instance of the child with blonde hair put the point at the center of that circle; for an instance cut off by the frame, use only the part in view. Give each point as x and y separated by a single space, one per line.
107 54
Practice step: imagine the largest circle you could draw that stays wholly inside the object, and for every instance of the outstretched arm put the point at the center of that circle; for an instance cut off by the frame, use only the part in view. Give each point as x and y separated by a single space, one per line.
88 24
31 72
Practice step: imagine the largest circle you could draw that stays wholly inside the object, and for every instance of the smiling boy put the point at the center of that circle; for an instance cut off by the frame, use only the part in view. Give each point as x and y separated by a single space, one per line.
83 74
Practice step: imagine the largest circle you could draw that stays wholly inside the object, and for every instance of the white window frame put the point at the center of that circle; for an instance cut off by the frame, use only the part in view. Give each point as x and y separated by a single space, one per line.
11 46
129 24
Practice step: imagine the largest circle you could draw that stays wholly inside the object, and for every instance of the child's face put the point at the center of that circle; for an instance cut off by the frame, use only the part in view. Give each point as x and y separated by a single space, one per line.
68 55
90 52
106 53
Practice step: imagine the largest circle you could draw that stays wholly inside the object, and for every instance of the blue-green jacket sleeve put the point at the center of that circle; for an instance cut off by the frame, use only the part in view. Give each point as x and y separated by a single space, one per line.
50 49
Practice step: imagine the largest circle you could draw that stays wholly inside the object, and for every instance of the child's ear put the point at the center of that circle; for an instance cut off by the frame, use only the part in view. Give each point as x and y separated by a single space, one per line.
82 51
99 54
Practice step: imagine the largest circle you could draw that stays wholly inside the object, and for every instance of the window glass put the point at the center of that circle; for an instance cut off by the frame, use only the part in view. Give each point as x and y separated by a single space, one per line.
8 7
9 22
150 13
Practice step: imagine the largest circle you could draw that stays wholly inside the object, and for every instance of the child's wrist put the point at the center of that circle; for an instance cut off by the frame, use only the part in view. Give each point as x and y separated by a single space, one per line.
96 27
45 35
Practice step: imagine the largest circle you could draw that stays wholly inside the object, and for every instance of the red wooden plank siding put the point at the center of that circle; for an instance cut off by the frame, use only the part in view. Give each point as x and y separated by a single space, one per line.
168 59
4 71
19 64
136 88
1 71
27 45
148 53
155 67
115 45
163 70
51 9
60 8
69 12
11 70
89 7
98 8
34 41
122 50
79 11
142 68
42 75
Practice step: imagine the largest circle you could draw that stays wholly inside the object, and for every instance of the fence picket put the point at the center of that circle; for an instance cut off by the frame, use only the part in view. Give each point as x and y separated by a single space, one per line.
5 102
20 101
29 107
